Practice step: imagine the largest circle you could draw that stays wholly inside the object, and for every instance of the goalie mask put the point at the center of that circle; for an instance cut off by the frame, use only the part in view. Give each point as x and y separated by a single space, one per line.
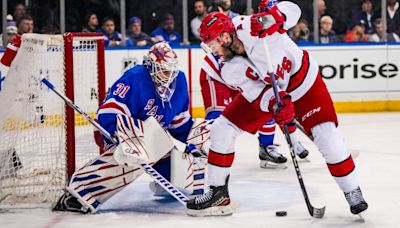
162 63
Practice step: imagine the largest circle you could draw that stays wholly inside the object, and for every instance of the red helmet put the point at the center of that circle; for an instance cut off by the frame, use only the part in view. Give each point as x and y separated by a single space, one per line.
213 25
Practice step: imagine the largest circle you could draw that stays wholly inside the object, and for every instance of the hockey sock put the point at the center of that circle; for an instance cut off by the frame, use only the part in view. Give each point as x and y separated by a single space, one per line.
219 167
267 133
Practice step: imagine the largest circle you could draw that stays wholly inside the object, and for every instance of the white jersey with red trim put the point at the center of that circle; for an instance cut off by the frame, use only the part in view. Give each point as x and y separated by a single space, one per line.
294 69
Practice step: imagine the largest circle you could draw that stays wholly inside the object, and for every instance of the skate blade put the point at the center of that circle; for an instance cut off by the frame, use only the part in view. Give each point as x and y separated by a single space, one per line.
360 218
211 211
271 165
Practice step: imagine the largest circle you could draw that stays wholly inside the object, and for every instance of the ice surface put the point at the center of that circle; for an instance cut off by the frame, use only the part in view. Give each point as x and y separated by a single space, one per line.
259 193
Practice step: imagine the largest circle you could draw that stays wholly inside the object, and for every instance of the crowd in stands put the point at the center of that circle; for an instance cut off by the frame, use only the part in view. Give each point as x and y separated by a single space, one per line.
364 24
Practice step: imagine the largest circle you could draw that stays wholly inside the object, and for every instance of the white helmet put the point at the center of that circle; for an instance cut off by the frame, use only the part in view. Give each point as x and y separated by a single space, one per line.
162 63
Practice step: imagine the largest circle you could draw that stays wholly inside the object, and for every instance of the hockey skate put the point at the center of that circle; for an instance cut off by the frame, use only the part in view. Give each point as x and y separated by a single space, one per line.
356 201
299 150
270 158
68 202
215 202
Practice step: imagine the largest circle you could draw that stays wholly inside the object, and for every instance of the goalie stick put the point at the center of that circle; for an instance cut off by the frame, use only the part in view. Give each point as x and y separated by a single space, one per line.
164 183
314 212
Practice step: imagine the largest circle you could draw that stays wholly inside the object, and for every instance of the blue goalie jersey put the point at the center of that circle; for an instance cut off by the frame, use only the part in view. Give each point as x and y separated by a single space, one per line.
135 95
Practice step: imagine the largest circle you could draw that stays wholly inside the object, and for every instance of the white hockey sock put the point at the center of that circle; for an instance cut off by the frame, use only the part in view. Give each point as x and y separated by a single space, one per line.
333 148
217 175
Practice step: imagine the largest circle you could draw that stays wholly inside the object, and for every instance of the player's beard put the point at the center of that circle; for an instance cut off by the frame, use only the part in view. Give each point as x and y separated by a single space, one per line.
228 52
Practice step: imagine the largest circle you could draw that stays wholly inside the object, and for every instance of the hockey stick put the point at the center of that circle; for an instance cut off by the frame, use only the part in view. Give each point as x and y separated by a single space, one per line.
164 183
314 212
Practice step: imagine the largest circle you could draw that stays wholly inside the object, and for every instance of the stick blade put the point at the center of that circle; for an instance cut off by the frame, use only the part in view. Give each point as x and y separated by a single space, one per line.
317 212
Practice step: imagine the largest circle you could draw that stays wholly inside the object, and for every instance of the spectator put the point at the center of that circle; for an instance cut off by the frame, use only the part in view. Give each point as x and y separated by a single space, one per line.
19 12
111 37
393 16
326 34
378 35
356 34
223 6
366 15
25 25
200 10
135 35
321 8
166 31
91 23
11 32
300 33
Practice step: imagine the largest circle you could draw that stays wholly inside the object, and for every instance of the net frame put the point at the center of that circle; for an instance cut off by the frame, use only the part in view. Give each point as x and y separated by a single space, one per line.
69 119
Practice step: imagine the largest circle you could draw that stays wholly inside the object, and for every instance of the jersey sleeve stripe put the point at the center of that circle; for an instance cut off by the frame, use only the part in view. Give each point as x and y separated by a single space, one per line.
298 78
113 106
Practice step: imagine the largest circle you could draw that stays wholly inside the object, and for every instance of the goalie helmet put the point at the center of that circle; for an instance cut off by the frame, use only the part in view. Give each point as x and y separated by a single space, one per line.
213 25
162 63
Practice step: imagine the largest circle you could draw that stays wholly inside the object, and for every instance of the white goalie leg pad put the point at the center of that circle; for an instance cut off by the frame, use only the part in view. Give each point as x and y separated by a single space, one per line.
333 148
100 179
143 141
188 173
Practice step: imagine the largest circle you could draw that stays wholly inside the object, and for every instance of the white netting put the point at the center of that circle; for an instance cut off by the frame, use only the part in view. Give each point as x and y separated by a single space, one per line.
32 119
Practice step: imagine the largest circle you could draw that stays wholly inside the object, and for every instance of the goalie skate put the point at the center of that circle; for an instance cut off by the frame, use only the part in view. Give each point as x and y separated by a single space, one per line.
68 202
270 158
216 202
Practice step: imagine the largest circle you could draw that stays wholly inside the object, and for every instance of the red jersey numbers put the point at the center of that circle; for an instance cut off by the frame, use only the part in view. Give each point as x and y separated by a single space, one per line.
285 66
121 90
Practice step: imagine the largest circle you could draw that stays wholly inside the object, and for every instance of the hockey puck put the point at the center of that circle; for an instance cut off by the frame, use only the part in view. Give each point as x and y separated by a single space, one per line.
281 213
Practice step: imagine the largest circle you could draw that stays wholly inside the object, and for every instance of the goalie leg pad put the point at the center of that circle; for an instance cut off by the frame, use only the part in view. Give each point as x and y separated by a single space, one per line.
188 173
100 179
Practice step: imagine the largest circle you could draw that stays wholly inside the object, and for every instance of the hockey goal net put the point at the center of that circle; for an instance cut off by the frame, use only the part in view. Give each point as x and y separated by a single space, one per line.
42 140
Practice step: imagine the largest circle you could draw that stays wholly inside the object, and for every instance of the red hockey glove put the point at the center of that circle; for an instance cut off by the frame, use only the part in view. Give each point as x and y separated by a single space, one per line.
267 23
285 114
11 51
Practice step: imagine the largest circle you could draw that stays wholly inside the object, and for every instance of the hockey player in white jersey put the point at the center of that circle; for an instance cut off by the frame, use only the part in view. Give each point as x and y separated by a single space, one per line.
217 95
239 42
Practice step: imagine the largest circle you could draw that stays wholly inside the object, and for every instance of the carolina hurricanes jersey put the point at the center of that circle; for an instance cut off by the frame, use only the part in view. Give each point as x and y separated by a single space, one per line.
134 95
294 69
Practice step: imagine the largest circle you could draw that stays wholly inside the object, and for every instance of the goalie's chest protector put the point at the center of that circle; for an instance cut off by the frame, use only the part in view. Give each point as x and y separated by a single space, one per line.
143 100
